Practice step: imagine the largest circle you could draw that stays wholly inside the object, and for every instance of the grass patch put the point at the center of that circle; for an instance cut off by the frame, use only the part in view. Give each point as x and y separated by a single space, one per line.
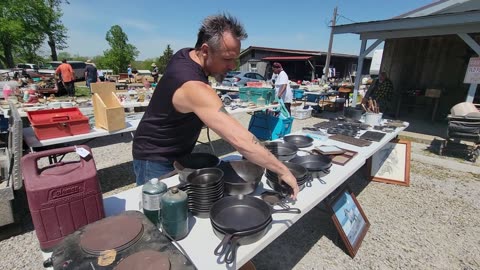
82 91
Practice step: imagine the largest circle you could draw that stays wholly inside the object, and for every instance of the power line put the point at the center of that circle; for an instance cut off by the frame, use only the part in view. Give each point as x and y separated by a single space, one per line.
340 15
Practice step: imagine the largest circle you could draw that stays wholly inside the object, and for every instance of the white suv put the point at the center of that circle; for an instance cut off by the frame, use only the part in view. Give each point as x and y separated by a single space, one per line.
27 66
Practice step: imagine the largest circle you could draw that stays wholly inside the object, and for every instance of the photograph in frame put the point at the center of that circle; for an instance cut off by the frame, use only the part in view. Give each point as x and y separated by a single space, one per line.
350 220
391 164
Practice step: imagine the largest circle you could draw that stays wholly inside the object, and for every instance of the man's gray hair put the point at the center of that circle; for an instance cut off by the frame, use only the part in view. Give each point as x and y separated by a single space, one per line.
213 27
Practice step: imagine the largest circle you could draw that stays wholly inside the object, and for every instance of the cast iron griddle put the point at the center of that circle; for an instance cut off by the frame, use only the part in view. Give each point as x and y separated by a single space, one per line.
372 136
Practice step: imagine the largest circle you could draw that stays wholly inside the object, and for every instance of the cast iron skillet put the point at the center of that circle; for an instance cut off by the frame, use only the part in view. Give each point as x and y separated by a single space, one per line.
229 242
189 163
240 177
282 150
239 216
300 141
242 213
317 165
313 162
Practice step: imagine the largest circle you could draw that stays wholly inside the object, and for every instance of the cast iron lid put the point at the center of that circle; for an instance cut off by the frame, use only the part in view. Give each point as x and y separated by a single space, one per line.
145 260
117 233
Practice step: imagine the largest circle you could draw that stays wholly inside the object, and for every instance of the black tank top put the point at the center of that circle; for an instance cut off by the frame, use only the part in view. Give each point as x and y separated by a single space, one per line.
164 134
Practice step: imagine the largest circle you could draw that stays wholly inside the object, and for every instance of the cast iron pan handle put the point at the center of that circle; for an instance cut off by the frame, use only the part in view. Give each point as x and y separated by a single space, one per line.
290 210
231 252
223 245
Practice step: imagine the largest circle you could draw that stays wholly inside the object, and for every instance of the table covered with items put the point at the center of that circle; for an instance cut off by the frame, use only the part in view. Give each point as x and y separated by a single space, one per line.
236 208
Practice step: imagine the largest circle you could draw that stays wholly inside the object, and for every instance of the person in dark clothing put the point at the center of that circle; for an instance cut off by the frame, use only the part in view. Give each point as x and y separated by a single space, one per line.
183 101
91 74
382 92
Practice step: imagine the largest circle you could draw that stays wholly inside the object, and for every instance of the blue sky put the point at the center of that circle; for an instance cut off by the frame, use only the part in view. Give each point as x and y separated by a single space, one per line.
152 24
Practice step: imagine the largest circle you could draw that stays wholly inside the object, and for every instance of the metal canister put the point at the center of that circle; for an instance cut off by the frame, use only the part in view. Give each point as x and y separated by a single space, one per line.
152 193
175 213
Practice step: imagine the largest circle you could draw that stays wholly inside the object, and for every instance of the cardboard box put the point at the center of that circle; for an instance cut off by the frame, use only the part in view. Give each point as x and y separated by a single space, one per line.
109 113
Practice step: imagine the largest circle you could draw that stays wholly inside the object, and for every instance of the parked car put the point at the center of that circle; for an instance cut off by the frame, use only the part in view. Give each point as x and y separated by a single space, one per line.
27 66
77 66
241 78
228 80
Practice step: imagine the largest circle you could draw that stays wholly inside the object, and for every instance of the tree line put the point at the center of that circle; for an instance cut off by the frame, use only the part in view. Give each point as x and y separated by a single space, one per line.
26 24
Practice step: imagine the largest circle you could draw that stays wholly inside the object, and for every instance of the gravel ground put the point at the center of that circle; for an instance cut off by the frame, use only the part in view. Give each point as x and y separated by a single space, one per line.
433 224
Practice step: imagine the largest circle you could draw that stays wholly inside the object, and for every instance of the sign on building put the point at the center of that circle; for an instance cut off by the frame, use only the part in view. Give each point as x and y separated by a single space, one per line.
473 71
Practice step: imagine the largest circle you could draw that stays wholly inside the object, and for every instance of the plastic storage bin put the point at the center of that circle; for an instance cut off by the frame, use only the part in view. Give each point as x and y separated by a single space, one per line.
300 113
252 94
312 98
268 127
298 93
54 123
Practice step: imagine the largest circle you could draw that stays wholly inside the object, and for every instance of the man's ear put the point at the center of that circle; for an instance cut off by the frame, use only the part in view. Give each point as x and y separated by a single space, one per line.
204 49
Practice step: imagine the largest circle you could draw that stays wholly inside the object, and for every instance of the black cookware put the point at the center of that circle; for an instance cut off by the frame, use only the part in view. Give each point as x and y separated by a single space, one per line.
282 150
191 162
240 216
241 177
204 187
317 165
228 245
300 141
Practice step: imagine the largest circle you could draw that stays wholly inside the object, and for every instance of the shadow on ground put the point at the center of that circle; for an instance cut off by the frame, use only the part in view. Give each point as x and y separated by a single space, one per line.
310 229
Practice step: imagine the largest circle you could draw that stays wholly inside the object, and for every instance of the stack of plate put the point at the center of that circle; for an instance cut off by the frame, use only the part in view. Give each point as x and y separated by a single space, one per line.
300 173
203 187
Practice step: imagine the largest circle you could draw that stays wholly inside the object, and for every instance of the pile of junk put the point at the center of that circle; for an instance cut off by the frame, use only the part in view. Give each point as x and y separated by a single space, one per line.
463 126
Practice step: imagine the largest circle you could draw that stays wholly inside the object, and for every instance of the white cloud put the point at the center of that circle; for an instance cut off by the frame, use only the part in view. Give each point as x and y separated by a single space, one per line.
139 25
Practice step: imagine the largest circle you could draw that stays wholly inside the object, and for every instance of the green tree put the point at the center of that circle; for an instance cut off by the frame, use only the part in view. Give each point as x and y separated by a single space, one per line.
121 53
51 25
164 59
12 28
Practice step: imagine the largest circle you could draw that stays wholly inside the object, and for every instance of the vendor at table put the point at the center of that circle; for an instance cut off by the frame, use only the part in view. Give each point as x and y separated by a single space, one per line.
382 91
183 102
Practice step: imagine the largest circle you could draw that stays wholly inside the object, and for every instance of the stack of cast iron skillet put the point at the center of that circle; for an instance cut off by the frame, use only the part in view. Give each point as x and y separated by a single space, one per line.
300 173
241 220
204 187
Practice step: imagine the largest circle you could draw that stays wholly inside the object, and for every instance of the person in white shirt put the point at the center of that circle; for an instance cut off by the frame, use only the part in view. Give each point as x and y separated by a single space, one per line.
282 85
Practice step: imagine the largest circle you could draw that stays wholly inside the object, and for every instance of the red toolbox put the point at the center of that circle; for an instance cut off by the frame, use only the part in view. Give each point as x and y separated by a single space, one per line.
62 197
54 123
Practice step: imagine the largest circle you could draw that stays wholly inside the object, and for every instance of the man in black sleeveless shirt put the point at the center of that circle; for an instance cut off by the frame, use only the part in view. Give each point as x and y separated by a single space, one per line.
183 102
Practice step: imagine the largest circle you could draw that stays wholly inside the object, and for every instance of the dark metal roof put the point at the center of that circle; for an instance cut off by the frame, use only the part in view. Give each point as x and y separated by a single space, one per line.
301 52
444 17
287 58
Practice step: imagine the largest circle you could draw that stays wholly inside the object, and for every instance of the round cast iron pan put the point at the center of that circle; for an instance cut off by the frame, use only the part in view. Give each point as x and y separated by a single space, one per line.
206 177
313 162
241 177
296 169
281 148
300 141
193 161
229 242
242 213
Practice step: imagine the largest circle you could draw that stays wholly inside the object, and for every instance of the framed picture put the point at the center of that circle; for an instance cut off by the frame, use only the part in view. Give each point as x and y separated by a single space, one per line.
349 219
391 164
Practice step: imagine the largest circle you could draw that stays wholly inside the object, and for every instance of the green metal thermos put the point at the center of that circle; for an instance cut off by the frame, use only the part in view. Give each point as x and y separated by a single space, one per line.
152 193
175 213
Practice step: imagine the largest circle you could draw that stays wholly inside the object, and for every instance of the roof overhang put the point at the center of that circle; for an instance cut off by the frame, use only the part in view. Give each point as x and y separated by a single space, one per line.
287 58
432 25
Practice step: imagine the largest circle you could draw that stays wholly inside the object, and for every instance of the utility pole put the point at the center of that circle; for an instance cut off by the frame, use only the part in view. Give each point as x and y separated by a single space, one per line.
327 63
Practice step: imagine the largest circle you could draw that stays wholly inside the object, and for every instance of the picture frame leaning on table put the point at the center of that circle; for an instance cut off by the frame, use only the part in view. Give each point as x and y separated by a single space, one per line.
391 164
349 219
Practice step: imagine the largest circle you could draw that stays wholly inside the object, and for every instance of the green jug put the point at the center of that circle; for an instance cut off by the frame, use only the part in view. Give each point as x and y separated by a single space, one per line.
152 193
175 213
